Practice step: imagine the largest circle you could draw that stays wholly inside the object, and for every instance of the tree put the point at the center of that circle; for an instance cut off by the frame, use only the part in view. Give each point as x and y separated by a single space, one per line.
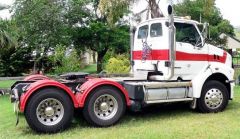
42 25
99 32
154 8
14 58
115 9
112 10
206 11
100 38
45 24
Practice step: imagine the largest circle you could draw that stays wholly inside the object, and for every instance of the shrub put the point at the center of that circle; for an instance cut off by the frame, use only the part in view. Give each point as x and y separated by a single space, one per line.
119 65
63 62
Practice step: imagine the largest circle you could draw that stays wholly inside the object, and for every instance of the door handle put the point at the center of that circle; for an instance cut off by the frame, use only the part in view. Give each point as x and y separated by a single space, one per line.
177 67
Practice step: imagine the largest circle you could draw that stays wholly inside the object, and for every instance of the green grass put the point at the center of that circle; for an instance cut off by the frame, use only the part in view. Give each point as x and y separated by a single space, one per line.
236 60
90 68
237 32
171 121
6 84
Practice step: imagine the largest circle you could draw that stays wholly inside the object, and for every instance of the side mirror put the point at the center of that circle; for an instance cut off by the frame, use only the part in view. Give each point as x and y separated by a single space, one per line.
205 30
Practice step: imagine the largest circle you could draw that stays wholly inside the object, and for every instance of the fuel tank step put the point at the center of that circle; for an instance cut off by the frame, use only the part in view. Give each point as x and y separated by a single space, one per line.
166 84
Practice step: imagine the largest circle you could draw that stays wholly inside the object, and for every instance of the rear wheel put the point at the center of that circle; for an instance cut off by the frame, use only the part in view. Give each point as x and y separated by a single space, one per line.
214 97
104 107
49 110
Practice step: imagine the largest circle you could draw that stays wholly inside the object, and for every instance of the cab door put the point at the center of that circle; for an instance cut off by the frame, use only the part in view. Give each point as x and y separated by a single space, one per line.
158 40
141 60
150 49
191 55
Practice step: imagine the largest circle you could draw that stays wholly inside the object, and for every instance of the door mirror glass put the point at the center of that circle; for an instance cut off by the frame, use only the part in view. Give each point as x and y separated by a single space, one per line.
205 32
199 43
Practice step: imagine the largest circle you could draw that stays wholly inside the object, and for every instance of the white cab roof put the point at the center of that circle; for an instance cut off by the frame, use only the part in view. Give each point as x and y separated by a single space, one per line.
176 19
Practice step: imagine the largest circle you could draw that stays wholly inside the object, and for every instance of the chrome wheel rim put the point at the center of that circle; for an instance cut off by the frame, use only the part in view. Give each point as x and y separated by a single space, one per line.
213 98
50 111
105 107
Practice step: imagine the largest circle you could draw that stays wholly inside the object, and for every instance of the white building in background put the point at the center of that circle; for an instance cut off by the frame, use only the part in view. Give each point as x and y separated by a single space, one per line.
232 42
89 57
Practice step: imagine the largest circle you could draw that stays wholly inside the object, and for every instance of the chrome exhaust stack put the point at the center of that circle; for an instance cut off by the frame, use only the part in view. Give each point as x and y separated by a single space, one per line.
172 43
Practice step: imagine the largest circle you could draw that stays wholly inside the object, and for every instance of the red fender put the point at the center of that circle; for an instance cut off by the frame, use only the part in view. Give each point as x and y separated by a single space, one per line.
91 84
44 83
36 77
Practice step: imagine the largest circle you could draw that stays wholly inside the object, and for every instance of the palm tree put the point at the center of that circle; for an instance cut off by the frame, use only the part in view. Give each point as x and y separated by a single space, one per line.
6 40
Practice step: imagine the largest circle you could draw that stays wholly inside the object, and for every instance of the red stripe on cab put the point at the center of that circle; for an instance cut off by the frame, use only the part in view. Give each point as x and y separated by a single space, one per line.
180 56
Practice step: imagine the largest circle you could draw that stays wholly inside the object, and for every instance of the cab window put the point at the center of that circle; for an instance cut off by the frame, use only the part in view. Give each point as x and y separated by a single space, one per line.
156 30
187 33
143 32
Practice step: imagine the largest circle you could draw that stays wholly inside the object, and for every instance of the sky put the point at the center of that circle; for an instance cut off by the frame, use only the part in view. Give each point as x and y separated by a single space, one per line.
229 9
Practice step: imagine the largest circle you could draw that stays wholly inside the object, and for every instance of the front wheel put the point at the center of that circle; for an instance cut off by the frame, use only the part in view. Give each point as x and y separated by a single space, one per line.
214 97
104 107
49 110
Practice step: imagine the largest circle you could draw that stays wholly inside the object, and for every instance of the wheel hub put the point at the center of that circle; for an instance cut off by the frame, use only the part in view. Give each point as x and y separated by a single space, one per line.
49 111
104 106
213 98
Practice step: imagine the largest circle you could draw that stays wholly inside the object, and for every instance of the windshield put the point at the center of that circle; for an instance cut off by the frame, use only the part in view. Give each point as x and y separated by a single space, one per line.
187 33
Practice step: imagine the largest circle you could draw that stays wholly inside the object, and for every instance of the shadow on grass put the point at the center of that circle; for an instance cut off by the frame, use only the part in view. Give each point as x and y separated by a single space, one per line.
154 111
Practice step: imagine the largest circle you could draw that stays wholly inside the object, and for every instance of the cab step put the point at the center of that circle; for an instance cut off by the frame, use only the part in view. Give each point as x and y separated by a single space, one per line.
169 100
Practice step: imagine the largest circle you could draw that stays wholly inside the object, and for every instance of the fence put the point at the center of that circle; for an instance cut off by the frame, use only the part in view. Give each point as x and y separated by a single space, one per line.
236 66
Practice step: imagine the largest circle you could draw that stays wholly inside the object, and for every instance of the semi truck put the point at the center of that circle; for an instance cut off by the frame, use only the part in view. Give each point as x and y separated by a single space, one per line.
171 62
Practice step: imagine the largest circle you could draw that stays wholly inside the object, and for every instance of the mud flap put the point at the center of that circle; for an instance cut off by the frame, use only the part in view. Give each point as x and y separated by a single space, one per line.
16 111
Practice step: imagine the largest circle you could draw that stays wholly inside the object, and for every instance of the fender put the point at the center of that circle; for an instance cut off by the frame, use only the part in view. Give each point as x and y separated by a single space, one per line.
91 84
36 77
42 84
212 68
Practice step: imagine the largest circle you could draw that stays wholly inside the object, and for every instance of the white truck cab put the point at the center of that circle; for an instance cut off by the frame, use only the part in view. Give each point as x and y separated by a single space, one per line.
192 54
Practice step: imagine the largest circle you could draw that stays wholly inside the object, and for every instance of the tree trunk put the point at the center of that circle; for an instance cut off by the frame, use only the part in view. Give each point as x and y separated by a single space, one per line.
154 8
94 57
100 56
34 67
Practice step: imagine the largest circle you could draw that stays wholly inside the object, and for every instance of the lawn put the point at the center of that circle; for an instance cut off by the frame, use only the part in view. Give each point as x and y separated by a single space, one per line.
171 121
90 68
237 32
6 84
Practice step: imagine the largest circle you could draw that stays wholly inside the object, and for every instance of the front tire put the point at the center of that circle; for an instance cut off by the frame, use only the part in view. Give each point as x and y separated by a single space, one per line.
49 110
104 107
214 97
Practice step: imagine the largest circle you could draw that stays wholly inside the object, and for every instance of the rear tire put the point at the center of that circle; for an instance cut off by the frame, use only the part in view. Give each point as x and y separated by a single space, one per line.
104 107
214 97
49 110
